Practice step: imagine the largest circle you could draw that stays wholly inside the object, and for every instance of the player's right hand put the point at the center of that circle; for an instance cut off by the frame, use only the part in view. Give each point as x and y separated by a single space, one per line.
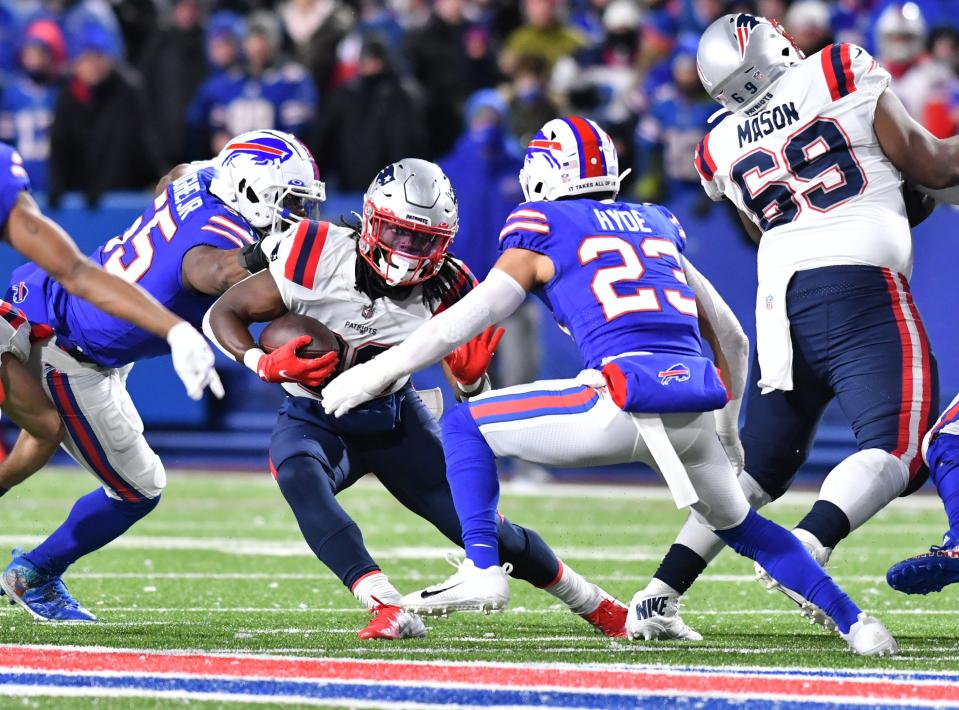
193 361
284 365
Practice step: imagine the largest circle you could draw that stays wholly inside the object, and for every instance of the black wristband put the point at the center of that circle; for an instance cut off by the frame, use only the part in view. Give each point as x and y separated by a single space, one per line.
252 258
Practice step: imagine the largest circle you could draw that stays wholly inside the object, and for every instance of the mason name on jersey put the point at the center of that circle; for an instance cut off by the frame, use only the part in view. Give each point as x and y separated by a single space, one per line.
768 121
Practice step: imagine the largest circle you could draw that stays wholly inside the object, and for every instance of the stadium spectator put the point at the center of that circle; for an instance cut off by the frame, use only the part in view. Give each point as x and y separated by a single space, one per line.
173 66
266 91
808 23
29 96
440 63
99 140
544 35
919 80
597 84
373 120
316 28
667 135
530 104
223 41
483 166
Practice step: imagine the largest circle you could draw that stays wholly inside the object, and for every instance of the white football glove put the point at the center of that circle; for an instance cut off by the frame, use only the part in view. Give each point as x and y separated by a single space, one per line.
193 361
733 448
354 387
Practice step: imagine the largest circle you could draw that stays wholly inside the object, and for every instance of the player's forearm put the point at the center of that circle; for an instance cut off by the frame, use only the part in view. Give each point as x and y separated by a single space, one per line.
919 155
115 296
228 331
497 297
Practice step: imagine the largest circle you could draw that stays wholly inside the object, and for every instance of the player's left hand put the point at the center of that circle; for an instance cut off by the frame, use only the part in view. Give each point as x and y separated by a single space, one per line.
469 362
358 385
734 451
193 361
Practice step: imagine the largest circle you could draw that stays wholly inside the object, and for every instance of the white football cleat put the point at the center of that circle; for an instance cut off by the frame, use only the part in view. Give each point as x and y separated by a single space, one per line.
806 608
470 589
654 616
868 637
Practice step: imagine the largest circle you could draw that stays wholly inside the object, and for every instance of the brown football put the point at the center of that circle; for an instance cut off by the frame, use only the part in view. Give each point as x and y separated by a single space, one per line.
292 325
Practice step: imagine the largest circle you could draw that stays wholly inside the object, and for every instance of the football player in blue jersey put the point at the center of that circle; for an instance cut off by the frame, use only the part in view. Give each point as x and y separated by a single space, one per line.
614 276
39 238
933 570
198 237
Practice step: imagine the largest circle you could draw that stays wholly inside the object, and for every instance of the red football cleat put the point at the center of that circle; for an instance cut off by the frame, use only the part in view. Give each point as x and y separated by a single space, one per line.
609 617
392 622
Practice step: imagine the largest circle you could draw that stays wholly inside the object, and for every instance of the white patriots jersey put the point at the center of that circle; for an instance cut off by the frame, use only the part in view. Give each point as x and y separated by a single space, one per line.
314 266
809 171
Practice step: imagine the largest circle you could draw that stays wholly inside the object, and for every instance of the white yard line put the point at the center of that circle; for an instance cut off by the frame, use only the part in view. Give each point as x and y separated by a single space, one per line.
306 609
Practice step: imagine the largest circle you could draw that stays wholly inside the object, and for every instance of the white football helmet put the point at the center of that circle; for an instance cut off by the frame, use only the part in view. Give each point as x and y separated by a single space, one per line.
740 57
410 216
569 156
269 178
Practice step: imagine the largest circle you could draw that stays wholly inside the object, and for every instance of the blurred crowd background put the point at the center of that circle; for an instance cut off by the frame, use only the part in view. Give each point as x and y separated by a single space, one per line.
101 96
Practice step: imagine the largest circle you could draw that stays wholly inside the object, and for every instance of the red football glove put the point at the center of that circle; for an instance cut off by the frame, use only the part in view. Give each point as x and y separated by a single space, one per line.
283 365
470 361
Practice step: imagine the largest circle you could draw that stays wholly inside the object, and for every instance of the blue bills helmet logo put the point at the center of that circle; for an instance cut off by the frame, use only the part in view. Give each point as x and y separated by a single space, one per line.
263 150
20 292
745 24
677 373
542 145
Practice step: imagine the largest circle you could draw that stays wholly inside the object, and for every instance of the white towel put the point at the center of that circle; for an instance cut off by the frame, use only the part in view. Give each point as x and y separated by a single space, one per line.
773 342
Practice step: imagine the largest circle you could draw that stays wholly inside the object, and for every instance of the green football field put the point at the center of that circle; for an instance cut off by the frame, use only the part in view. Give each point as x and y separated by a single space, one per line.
220 566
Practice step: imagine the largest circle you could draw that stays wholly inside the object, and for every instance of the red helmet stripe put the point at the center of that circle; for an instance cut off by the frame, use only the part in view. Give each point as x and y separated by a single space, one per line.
592 161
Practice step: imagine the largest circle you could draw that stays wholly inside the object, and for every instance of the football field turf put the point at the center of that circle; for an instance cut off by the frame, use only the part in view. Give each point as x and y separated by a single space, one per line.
220 566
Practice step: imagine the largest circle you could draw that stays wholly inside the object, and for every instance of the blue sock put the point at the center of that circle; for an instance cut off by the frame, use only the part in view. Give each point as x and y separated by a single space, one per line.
789 563
95 520
943 457
471 472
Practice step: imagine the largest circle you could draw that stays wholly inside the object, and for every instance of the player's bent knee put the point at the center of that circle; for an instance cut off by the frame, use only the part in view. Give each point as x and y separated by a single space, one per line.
154 480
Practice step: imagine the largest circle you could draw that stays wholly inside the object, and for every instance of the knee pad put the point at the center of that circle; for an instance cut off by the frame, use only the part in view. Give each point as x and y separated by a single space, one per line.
755 493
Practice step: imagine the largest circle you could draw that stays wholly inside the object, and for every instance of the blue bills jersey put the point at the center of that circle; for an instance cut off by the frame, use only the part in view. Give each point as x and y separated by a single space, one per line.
13 180
619 285
26 114
150 253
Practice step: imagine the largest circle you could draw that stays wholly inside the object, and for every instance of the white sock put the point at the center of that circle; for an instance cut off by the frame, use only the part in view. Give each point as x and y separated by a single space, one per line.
658 587
819 552
580 596
374 588
863 484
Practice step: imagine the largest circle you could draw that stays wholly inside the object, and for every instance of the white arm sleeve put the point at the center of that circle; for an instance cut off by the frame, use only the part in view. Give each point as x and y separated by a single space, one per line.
732 340
497 297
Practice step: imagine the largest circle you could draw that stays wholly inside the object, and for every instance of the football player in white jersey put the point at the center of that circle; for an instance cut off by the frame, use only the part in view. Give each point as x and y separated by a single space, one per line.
373 285
813 152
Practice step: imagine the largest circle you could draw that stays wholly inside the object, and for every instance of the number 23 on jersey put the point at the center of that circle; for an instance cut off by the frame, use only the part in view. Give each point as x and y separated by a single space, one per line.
640 298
